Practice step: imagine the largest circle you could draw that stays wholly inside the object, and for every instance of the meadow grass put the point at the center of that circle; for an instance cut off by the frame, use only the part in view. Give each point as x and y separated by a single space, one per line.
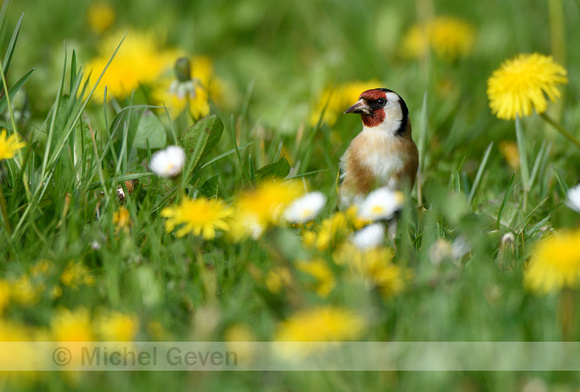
488 192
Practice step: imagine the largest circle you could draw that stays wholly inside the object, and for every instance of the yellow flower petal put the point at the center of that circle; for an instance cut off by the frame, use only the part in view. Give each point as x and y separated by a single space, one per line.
9 146
522 84
555 263
201 217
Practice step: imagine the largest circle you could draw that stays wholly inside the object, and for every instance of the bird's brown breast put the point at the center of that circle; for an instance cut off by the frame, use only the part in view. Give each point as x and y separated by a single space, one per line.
375 159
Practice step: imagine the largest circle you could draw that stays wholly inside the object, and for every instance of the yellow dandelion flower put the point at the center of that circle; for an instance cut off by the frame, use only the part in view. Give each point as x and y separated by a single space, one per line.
121 219
4 295
509 151
27 357
41 268
334 100
56 292
199 216
332 231
76 274
555 263
9 146
138 61
237 337
277 278
72 326
262 207
100 16
195 92
320 324
309 238
449 37
69 328
26 292
117 327
319 270
522 84
416 42
374 268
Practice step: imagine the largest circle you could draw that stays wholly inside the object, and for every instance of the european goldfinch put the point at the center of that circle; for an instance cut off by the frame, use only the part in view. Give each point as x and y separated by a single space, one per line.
383 154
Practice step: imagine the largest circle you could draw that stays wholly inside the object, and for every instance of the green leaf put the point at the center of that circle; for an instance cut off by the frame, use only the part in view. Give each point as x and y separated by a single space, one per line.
149 129
280 169
209 188
199 140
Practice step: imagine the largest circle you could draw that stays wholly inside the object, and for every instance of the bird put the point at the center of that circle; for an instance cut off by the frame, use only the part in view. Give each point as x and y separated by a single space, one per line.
383 154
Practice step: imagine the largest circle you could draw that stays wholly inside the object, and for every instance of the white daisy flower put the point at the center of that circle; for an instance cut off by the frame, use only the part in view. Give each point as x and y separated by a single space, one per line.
369 237
380 204
305 208
168 162
574 198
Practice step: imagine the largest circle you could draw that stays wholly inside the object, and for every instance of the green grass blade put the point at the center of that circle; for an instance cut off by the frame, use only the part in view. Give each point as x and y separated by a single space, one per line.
563 186
73 71
505 198
14 89
479 174
11 46
225 154
539 162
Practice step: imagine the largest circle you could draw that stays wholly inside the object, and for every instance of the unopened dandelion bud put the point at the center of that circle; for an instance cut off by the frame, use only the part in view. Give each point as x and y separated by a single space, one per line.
183 69
507 240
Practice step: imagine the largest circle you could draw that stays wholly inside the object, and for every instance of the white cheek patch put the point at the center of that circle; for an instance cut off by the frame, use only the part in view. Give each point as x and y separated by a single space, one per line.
393 114
392 97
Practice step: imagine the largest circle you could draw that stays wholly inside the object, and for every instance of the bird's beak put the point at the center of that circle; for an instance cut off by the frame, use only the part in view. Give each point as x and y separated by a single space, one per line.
360 107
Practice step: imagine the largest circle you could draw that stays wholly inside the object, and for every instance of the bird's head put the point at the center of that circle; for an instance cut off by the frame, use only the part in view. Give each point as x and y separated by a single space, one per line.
383 109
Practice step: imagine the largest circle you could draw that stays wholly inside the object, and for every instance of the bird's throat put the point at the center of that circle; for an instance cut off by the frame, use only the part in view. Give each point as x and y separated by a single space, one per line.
374 119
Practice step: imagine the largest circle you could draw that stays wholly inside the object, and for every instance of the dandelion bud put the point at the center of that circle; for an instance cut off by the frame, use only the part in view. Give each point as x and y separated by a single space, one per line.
183 69
507 240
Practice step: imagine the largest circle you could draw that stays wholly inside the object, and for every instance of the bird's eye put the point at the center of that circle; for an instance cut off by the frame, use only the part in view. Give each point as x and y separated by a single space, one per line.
381 101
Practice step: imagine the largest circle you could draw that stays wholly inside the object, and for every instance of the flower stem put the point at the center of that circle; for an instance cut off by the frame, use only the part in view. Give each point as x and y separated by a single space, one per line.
525 173
561 129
